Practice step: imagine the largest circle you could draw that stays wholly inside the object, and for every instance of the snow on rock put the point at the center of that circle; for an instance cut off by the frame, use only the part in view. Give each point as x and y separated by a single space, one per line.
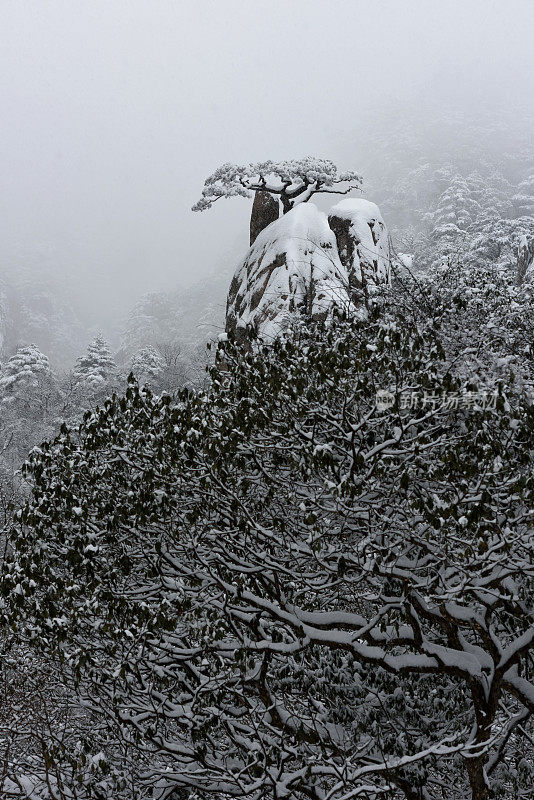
293 266
406 260
363 244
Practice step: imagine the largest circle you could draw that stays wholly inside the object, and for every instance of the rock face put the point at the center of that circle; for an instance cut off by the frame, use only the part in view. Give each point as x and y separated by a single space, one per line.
292 267
525 260
265 209
363 245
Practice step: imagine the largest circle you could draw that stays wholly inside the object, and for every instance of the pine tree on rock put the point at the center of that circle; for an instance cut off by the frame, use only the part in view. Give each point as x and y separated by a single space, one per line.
291 182
96 368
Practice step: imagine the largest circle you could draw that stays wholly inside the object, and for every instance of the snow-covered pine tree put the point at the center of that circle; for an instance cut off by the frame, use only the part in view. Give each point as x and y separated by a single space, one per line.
24 374
455 211
524 198
493 195
292 182
96 369
471 220
148 366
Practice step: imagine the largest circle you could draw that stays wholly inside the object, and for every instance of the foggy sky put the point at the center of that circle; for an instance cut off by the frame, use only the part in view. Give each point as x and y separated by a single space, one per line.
114 112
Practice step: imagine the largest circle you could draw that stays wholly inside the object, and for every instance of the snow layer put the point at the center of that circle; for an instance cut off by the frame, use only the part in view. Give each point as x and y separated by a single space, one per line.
363 242
293 266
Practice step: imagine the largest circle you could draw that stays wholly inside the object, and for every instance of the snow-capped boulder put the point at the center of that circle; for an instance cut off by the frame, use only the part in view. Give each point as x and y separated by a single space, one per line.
293 266
363 244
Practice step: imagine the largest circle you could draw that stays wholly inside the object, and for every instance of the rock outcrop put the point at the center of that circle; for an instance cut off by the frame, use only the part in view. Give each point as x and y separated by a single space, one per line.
265 209
292 267
363 245
525 260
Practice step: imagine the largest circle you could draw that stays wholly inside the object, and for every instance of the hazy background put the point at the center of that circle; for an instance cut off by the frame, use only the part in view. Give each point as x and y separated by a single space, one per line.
114 112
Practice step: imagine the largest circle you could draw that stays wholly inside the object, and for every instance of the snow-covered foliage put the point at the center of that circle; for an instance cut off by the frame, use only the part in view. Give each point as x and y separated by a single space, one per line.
30 405
45 735
470 222
96 368
23 374
293 267
292 181
363 243
290 589
489 337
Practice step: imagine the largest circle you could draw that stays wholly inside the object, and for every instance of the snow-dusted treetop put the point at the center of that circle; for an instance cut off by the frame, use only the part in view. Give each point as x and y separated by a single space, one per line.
292 181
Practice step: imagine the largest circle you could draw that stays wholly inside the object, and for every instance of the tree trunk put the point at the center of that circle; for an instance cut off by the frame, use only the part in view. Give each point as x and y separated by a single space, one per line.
265 209
475 770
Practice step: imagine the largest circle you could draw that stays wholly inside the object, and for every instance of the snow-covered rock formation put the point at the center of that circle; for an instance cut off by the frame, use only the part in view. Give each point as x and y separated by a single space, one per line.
363 244
293 266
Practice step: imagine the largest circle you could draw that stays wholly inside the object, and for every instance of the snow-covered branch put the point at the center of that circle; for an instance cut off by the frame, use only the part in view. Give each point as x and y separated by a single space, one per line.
291 181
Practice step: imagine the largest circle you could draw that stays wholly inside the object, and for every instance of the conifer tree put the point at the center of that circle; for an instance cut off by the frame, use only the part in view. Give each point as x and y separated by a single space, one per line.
456 209
24 373
524 198
148 365
96 368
